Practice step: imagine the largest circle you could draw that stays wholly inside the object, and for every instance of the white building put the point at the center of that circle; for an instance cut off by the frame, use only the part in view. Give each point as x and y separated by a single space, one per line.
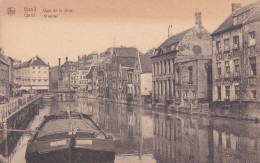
33 75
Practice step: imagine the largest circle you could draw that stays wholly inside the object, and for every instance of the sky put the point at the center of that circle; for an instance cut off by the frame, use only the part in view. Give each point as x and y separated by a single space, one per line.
83 26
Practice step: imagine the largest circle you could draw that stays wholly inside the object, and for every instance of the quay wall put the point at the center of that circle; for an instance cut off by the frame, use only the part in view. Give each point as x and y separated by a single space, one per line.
235 110
18 119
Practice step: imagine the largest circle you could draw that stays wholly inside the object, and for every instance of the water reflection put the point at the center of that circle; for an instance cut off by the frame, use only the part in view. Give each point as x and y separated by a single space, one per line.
143 135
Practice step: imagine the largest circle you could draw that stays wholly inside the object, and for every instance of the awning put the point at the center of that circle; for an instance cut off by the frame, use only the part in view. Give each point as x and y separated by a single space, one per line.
40 88
24 88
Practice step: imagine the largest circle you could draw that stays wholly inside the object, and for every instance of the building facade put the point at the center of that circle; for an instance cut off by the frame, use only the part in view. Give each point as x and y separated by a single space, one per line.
4 78
139 79
83 81
179 64
33 74
54 75
116 73
236 57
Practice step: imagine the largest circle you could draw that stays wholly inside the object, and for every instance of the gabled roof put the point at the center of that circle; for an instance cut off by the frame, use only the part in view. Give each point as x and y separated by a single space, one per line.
83 67
70 63
126 52
252 11
36 61
3 62
174 39
90 73
4 59
171 44
126 62
146 63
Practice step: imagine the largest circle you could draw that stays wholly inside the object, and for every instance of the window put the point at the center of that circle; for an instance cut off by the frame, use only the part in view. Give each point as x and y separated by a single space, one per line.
227 92
237 92
227 68
179 93
172 68
219 92
39 80
252 61
153 68
45 80
190 74
157 67
251 40
226 45
218 46
39 67
165 67
220 138
178 75
185 94
39 72
237 67
169 65
228 141
45 72
253 94
33 80
219 68
161 67
236 42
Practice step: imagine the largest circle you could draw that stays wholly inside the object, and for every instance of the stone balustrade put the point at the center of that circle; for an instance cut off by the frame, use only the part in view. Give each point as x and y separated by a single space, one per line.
15 104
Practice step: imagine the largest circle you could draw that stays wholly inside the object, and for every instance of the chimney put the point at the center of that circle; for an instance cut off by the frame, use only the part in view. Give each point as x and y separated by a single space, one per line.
59 62
198 18
59 71
235 6
170 30
66 59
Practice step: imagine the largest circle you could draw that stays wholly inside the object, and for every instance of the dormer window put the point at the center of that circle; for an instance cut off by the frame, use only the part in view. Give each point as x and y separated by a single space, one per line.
252 39
236 42
226 45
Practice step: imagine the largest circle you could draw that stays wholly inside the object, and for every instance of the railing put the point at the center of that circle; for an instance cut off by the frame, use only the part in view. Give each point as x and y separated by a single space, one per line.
15 104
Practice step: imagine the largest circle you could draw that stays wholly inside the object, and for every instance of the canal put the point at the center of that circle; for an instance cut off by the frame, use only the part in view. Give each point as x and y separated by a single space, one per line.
144 135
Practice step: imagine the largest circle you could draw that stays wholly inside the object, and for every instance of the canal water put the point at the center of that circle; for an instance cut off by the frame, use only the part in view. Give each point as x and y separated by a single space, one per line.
144 135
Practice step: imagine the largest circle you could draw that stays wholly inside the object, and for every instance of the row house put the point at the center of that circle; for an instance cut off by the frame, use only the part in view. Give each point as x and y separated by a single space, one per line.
82 77
66 69
139 79
91 80
106 54
116 73
180 66
54 75
4 77
102 82
33 74
88 60
236 57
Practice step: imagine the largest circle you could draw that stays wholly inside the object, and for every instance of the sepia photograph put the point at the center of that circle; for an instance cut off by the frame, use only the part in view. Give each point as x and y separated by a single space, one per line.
129 81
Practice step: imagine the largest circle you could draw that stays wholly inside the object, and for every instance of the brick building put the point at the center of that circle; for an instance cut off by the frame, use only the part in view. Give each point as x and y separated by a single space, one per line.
4 77
54 75
236 57
181 65
116 73
139 79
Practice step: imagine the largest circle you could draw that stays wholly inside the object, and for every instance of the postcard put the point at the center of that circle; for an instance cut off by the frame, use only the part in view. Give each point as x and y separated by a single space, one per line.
129 81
